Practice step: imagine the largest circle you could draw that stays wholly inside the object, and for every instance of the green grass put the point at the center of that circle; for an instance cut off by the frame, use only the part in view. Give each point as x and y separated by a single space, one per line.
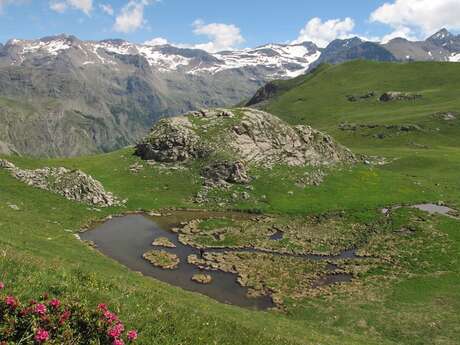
38 251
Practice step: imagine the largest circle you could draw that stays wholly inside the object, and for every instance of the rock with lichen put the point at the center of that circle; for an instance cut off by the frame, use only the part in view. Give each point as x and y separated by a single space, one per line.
72 184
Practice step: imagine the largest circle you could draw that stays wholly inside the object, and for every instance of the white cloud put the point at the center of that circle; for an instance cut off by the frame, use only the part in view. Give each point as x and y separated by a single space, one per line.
86 6
59 7
107 8
402 32
222 36
322 33
419 16
131 17
158 41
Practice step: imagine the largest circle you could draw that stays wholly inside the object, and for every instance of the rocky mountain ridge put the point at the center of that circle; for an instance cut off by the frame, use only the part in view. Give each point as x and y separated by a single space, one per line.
61 96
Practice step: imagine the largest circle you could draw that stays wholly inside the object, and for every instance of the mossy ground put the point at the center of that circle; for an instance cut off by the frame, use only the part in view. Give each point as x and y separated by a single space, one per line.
411 298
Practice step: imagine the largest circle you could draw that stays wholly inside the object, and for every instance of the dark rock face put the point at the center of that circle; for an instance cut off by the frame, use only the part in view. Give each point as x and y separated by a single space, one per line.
264 93
339 51
225 171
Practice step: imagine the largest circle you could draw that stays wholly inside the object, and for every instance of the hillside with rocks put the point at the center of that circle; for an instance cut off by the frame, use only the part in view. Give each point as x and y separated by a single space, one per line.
229 142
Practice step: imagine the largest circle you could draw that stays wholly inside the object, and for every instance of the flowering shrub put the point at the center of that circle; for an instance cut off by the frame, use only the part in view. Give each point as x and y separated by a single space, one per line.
53 322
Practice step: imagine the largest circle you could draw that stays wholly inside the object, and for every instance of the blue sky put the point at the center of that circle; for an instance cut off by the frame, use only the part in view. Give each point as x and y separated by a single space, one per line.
214 25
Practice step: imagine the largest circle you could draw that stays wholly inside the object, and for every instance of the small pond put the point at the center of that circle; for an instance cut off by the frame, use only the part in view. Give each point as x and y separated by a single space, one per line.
125 239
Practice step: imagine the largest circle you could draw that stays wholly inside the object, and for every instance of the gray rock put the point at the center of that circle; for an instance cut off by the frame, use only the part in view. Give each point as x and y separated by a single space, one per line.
72 184
399 96
172 140
231 172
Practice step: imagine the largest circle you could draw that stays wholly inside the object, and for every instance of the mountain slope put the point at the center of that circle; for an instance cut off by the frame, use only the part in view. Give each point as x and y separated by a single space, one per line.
61 96
350 109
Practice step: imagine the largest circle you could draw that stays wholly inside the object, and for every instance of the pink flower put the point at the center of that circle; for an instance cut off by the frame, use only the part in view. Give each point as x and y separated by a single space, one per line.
118 342
132 335
41 335
55 303
2 285
64 317
40 309
110 317
102 306
11 302
116 331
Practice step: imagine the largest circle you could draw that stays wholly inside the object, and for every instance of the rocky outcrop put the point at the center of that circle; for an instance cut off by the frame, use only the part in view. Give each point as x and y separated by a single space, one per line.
171 140
241 135
219 173
399 96
266 140
74 185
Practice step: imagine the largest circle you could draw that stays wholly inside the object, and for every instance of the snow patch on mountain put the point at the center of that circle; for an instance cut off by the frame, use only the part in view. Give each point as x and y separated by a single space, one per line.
454 58
164 62
52 47
284 60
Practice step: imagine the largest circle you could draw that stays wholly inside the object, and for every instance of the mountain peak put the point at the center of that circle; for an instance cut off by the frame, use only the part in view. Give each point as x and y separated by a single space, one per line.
440 36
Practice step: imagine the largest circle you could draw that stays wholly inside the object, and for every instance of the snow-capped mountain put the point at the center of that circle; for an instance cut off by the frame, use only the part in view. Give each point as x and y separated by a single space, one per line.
69 97
279 61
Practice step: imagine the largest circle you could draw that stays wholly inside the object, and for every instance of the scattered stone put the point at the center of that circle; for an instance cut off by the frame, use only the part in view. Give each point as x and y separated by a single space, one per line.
163 242
136 168
353 98
245 196
209 113
162 259
202 278
14 207
399 96
312 178
4 164
447 116
72 184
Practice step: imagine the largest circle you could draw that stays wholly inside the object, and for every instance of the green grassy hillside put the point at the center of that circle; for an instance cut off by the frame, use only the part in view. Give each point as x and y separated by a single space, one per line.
411 299
320 99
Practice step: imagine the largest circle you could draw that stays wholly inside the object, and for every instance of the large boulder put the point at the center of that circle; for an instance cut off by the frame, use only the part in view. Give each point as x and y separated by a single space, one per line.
225 172
266 140
171 140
